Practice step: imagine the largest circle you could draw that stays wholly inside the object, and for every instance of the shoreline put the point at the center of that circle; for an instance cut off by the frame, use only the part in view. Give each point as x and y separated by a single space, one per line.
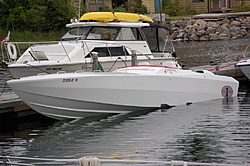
208 27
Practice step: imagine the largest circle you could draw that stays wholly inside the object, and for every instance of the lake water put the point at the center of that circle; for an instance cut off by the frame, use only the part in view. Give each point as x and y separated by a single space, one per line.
215 131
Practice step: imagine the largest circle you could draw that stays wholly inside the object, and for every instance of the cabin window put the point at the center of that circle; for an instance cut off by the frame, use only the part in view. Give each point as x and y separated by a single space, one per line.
129 34
102 33
114 51
76 33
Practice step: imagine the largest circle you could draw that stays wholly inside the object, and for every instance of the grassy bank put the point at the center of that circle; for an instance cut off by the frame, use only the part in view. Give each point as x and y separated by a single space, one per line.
27 36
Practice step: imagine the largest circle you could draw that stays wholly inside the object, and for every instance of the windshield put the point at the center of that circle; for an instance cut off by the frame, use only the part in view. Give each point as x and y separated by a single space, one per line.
76 33
103 33
158 39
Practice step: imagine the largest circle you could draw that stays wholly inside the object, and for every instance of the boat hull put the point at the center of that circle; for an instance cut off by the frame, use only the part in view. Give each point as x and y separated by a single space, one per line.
81 95
245 68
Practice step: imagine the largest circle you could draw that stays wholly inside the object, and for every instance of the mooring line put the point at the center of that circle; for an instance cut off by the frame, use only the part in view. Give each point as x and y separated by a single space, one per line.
222 66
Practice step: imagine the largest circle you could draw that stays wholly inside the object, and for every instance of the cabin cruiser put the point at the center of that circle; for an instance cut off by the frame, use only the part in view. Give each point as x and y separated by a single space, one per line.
113 40
132 88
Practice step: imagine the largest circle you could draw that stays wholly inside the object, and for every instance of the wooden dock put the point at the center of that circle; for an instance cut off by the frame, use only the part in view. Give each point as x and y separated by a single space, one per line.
12 107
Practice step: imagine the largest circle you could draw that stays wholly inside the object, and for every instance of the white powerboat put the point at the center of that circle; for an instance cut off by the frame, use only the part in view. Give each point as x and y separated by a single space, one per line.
134 88
244 66
113 41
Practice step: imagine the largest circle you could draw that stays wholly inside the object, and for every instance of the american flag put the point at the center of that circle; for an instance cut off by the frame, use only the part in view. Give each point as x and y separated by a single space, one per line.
6 39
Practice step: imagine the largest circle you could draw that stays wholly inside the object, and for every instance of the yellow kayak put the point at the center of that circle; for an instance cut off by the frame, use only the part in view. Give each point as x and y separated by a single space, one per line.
115 17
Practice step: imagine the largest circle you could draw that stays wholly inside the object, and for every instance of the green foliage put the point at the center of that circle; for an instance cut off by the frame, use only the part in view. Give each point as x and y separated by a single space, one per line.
244 8
105 9
28 36
119 9
35 15
190 11
136 6
172 8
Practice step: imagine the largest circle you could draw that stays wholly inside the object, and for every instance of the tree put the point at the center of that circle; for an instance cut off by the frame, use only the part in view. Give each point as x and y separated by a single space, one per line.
35 15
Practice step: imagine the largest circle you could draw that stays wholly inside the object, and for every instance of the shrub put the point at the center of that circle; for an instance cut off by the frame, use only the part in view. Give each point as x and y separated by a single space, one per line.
136 6
172 8
119 9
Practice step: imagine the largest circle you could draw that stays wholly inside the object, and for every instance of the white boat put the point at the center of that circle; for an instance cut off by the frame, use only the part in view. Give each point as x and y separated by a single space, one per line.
134 88
113 41
244 66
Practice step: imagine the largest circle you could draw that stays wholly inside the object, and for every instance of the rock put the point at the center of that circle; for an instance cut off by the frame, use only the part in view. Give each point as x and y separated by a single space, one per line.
209 30
215 37
246 25
193 37
174 35
224 21
226 25
201 27
243 32
200 22
223 34
201 32
221 29
181 35
181 23
203 38
192 31
180 39
235 23
234 29
190 22
185 35
213 25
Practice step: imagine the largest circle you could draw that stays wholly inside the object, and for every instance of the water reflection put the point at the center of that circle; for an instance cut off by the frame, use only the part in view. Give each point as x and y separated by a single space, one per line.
213 131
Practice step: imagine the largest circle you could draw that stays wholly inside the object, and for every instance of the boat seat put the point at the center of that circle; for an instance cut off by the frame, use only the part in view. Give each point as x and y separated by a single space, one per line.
38 55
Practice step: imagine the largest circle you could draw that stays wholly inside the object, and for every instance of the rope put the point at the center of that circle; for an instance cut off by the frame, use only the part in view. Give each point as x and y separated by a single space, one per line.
3 89
115 63
37 68
222 66
245 51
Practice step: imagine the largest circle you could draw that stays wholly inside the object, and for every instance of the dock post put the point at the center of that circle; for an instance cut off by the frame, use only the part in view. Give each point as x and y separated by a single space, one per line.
95 65
133 58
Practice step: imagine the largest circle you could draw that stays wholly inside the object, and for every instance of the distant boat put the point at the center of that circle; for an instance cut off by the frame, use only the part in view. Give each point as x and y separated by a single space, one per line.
244 66
133 88
113 38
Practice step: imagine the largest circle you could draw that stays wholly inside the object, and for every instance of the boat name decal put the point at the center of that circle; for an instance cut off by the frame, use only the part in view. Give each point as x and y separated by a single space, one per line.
70 80
227 91
54 68
170 71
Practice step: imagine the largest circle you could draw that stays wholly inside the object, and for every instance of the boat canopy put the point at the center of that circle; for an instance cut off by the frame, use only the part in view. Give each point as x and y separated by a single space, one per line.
157 36
115 17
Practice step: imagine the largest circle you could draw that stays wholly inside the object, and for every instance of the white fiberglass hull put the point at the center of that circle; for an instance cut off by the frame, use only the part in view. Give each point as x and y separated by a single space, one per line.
245 67
78 95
